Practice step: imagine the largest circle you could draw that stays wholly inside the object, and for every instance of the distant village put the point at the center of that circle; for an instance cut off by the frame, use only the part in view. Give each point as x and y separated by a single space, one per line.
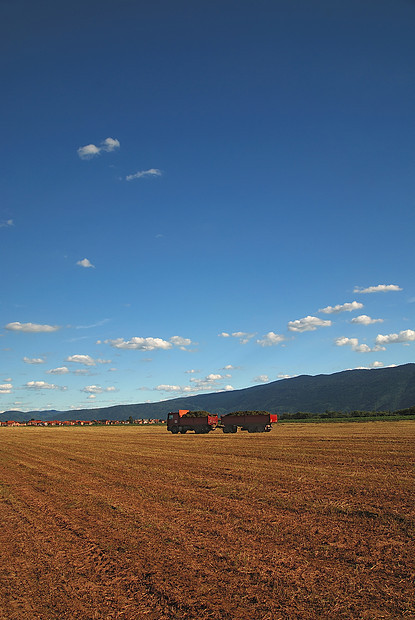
81 422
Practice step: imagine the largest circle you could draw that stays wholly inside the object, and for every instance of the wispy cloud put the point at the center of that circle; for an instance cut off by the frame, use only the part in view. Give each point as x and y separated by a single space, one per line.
91 150
363 319
85 262
379 288
33 360
97 324
347 307
152 172
31 327
243 337
6 223
404 337
271 339
307 324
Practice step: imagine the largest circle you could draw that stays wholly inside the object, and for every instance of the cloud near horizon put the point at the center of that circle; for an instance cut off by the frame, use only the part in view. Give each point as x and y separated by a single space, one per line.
355 346
97 389
404 337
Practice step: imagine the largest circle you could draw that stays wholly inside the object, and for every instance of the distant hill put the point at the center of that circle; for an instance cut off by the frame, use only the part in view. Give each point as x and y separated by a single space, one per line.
381 389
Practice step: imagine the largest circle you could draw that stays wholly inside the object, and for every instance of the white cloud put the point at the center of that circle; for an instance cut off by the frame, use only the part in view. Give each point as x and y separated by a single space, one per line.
97 389
228 388
229 367
85 262
88 151
307 324
168 388
208 381
282 376
261 379
87 360
406 336
363 319
192 371
140 344
31 327
178 341
347 307
355 346
243 337
6 224
380 288
42 385
62 370
33 360
271 339
6 388
152 172
91 150
110 144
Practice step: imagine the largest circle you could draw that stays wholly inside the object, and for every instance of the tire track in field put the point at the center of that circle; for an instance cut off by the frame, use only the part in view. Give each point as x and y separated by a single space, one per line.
77 566
121 589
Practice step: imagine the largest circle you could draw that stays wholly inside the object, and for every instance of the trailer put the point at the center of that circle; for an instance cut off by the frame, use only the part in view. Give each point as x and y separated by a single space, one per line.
201 422
251 421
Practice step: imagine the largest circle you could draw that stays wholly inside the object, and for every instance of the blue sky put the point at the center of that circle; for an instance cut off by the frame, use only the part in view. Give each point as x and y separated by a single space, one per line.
202 196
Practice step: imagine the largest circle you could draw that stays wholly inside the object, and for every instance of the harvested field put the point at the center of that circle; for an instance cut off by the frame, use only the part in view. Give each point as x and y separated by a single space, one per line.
308 521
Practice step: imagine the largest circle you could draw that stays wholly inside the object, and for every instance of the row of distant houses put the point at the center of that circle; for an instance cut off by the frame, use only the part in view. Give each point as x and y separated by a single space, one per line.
80 422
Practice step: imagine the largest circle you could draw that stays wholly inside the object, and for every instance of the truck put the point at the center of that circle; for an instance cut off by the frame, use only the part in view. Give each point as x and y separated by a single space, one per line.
251 421
200 422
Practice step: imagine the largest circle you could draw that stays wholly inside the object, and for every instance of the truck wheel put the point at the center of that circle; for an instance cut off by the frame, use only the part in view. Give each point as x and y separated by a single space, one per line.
174 430
234 429
184 431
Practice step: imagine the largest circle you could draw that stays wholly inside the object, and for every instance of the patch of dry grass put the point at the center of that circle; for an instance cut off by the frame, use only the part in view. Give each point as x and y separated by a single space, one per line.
309 521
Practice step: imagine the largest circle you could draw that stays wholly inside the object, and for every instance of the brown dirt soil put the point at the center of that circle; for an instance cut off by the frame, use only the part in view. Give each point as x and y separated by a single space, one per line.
310 521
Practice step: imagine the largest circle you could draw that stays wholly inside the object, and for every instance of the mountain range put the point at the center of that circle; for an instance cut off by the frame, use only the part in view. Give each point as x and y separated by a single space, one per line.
381 389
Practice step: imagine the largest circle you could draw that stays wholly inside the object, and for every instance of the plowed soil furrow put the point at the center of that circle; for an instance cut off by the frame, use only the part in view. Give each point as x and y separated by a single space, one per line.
311 521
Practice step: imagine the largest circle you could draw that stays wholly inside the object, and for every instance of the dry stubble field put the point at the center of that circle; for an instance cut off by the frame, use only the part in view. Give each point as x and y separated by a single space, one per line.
309 521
